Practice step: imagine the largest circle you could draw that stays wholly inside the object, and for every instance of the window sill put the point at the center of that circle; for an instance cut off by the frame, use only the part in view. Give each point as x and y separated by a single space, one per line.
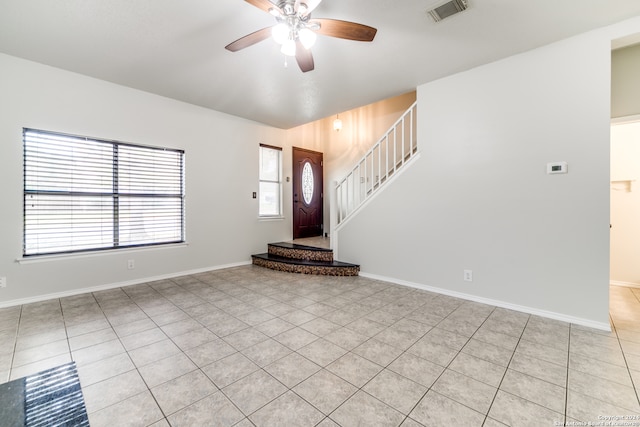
270 218
55 257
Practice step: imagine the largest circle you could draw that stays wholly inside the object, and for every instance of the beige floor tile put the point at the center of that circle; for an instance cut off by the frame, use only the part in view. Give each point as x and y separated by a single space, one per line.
27 342
546 371
346 338
377 352
167 369
325 391
150 353
274 327
183 391
589 409
134 327
499 339
320 327
266 352
416 369
40 365
446 338
295 338
141 339
209 352
354 369
287 410
542 352
478 369
534 390
604 390
113 390
245 338
87 327
489 352
138 410
180 327
615 373
395 390
322 352
463 389
103 369
213 410
437 410
194 338
363 409
515 411
230 369
98 352
292 369
254 391
40 352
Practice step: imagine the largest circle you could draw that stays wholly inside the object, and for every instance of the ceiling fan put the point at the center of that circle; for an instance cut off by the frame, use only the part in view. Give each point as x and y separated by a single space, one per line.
296 31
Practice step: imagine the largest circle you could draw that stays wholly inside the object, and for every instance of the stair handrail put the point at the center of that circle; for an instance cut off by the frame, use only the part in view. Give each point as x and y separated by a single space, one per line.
350 194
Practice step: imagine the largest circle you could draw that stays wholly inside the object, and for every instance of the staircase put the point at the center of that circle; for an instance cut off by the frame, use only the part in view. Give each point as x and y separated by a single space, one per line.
295 258
389 155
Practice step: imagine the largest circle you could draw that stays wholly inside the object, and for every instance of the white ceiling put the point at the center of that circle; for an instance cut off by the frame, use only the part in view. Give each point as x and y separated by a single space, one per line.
175 48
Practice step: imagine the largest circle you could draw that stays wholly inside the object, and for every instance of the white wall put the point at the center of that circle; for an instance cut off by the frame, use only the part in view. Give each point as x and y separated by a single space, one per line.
221 174
625 203
479 197
625 89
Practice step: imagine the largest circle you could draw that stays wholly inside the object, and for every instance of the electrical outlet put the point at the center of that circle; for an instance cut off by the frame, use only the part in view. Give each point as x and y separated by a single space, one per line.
3 282
468 275
131 264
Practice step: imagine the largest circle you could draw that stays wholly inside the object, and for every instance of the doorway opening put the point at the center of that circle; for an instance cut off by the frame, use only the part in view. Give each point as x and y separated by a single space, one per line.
625 202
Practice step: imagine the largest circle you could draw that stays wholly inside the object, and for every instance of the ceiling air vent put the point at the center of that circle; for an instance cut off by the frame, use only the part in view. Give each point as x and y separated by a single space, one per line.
447 9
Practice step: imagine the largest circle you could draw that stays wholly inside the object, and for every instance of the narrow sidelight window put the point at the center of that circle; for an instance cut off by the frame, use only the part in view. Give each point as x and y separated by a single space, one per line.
270 181
86 194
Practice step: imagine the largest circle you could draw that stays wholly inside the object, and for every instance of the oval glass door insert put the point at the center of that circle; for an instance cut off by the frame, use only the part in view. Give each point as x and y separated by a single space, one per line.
307 183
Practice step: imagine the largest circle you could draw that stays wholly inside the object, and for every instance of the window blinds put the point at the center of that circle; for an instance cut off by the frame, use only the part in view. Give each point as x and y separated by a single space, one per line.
85 194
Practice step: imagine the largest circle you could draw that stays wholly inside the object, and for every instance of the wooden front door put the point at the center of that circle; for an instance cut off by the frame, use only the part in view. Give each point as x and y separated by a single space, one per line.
307 193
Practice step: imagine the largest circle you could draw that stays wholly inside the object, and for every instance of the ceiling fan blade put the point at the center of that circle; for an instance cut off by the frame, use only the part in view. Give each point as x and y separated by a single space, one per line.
304 58
249 39
265 5
345 29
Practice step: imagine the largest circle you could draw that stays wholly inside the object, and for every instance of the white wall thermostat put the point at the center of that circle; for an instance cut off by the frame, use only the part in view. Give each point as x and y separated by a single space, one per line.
557 167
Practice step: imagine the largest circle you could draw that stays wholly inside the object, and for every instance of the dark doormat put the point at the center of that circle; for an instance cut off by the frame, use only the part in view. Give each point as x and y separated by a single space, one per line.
48 398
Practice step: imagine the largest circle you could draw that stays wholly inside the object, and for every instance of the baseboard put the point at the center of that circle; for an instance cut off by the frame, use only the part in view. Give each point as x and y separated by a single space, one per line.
497 303
625 284
73 292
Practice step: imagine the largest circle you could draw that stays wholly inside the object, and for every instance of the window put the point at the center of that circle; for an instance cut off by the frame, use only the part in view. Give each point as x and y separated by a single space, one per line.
86 194
270 181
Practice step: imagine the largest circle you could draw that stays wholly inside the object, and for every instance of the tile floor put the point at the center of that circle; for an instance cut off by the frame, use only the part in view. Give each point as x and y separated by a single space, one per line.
248 346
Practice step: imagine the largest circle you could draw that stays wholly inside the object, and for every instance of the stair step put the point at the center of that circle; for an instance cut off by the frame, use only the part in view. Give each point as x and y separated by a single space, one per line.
291 265
300 252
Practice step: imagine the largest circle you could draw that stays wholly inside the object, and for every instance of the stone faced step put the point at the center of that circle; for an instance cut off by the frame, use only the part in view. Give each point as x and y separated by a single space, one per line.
290 265
301 252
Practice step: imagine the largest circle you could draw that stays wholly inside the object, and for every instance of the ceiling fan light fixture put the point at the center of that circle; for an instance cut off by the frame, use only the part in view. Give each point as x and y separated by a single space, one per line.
280 33
307 38
289 47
